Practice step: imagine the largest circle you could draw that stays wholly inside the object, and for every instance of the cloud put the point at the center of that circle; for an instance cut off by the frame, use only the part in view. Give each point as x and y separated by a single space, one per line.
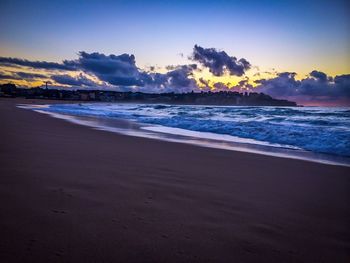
317 87
243 85
21 75
283 85
220 86
319 76
26 75
181 78
204 82
7 76
79 80
34 64
117 70
177 79
120 72
219 62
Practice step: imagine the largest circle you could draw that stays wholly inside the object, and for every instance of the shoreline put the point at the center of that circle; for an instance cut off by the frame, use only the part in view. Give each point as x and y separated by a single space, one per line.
196 138
74 194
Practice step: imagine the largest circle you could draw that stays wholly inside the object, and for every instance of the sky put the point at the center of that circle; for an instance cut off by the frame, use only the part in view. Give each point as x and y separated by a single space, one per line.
296 50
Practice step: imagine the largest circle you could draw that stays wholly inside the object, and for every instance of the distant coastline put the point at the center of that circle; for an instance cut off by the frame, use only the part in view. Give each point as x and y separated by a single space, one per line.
226 98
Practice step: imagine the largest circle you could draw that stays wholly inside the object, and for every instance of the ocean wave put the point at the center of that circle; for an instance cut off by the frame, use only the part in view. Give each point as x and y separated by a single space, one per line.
316 129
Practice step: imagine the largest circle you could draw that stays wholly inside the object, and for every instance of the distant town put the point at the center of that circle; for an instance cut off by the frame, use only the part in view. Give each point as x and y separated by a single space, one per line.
227 98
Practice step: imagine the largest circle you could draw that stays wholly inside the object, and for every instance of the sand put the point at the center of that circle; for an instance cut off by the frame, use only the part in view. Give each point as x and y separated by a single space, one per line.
69 193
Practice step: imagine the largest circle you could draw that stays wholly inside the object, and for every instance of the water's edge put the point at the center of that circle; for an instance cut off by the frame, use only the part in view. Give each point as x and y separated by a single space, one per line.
203 139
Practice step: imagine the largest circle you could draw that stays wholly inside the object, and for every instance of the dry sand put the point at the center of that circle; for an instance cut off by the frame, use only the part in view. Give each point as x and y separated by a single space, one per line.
69 193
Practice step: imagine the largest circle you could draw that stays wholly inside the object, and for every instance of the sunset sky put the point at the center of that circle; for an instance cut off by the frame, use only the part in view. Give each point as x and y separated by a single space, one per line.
298 50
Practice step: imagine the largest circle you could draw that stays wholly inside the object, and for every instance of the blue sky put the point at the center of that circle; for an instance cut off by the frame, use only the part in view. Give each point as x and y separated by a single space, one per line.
288 35
274 36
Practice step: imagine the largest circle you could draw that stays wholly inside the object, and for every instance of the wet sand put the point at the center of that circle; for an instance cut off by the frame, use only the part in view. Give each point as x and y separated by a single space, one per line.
69 193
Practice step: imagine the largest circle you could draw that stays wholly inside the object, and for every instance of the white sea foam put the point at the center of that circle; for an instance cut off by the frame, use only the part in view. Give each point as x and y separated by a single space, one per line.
213 136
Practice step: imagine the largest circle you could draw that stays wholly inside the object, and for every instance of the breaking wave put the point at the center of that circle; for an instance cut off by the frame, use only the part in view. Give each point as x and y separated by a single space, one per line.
316 129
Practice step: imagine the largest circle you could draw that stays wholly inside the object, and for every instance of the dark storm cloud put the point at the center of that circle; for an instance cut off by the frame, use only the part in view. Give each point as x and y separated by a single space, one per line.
80 80
219 62
34 64
316 87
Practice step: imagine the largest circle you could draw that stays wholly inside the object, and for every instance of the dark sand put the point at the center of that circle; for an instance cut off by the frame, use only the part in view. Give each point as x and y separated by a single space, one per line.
72 194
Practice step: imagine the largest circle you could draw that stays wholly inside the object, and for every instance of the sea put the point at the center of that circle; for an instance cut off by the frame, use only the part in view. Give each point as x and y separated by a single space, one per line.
318 134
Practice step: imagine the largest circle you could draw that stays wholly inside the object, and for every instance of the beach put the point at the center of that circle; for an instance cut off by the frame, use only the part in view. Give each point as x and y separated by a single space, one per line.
73 194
